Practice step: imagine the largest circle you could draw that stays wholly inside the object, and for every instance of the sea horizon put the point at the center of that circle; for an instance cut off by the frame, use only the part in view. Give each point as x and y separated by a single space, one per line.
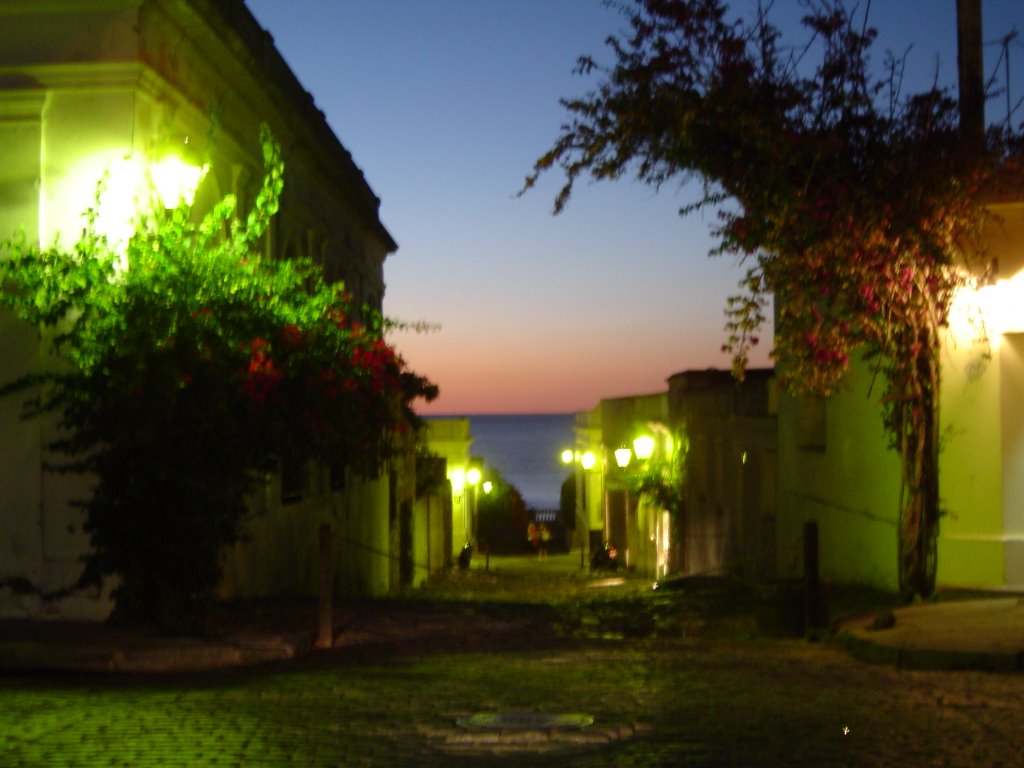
525 448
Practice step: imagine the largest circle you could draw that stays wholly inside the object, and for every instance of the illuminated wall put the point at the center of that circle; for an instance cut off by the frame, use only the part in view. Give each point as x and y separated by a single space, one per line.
835 469
450 439
98 87
982 463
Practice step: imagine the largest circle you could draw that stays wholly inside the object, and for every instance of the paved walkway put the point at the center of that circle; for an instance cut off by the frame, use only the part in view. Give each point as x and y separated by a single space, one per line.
976 633
973 633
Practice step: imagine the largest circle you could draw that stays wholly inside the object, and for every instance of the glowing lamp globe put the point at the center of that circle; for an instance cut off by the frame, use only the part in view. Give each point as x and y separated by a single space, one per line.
643 447
175 180
458 478
622 457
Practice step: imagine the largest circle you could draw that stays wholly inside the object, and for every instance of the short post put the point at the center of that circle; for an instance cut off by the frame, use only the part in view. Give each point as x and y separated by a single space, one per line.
325 637
812 599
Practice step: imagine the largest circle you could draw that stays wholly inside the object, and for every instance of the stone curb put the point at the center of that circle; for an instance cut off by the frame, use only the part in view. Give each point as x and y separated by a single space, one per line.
906 657
233 651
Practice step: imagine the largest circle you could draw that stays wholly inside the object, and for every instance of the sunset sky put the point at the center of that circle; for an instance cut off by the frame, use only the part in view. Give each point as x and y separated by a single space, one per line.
445 105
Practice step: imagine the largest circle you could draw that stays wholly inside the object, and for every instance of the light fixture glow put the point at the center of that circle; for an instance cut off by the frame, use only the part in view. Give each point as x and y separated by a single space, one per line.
643 447
175 180
588 460
567 456
488 486
119 201
623 456
473 476
458 478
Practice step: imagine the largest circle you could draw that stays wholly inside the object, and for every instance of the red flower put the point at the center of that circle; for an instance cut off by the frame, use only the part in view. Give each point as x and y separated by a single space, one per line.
291 335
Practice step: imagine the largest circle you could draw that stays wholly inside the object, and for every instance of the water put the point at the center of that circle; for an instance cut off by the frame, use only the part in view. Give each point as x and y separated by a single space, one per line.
526 450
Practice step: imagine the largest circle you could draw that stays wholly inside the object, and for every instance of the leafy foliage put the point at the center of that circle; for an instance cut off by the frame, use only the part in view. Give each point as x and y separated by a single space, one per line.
855 206
501 515
662 480
180 381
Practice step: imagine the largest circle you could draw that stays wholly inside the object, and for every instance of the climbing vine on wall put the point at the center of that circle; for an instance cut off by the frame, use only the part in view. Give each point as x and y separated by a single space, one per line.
856 205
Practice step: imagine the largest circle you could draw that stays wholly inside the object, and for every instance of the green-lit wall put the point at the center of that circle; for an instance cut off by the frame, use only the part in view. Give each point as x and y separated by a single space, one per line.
970 548
838 473
836 470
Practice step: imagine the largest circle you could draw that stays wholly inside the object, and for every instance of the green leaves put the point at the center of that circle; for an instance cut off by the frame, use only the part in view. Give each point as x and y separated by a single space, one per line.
190 373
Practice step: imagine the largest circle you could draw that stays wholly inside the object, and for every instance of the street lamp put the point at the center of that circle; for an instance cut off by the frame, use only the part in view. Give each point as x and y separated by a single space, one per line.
643 447
581 461
473 477
176 180
623 456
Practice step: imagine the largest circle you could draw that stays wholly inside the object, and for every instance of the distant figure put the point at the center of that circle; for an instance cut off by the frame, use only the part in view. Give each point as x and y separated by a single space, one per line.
533 536
545 538
605 558
464 556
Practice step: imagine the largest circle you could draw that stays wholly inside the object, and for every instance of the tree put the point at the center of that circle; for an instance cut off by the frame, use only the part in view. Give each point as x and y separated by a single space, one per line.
856 206
180 380
501 515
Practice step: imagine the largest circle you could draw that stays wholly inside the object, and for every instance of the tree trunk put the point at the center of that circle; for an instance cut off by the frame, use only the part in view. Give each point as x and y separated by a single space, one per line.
919 454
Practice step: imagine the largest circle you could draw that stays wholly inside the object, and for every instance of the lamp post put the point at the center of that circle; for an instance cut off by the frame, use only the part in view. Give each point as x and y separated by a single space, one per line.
582 463
569 457
473 476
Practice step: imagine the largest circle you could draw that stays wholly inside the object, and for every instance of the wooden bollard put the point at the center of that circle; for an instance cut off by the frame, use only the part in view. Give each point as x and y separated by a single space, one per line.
325 637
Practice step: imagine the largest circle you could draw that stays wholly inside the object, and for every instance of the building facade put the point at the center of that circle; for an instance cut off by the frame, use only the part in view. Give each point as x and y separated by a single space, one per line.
111 88
835 468
728 519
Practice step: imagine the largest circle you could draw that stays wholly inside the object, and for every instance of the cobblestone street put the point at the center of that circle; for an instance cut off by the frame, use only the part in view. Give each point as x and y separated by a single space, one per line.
678 679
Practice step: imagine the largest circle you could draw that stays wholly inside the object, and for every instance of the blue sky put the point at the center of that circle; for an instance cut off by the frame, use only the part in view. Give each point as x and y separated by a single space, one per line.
444 105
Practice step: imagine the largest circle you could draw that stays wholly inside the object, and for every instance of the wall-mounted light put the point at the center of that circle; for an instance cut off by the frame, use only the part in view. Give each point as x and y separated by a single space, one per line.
176 180
567 456
588 460
488 486
643 447
458 479
623 456
473 476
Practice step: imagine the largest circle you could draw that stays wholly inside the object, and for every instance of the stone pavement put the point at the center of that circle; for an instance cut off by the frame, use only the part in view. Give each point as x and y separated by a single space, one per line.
676 677
985 633
972 633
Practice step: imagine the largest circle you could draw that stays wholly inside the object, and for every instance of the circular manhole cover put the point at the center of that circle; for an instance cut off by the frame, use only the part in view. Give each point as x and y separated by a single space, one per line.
524 721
